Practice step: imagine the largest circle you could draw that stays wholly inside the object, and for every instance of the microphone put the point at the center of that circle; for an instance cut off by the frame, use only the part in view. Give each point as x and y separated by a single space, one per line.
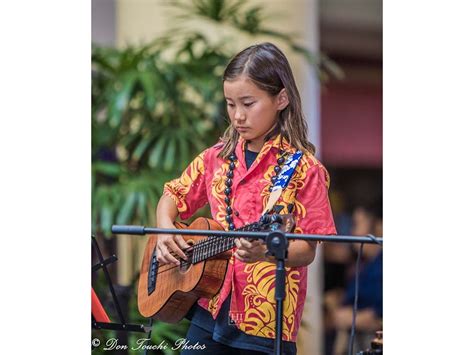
124 229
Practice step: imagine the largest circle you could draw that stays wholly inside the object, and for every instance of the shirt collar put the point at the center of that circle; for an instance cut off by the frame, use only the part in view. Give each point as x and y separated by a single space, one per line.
276 143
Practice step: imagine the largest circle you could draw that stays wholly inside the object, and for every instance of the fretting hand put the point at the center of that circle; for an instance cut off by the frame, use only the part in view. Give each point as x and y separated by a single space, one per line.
250 251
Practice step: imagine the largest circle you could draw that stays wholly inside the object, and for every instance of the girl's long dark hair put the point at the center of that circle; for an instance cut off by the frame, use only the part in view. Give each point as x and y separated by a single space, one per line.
267 67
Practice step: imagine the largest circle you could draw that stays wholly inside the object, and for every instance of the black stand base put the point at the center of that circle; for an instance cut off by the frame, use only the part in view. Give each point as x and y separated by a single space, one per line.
122 326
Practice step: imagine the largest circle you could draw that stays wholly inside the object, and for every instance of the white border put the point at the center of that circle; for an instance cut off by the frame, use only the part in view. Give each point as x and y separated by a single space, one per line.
45 146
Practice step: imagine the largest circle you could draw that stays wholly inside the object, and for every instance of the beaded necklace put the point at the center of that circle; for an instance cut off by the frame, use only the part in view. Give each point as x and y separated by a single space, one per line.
228 183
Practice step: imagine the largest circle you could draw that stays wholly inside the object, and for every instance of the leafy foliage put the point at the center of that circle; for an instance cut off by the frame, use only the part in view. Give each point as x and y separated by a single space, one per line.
149 118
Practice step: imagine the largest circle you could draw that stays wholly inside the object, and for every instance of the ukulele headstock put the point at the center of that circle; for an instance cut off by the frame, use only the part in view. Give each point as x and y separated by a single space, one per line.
285 222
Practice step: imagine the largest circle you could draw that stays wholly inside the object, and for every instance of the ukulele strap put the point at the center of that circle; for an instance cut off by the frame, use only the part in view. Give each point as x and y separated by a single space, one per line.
282 180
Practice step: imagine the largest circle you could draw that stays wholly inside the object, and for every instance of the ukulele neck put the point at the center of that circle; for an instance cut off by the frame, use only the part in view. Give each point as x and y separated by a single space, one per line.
214 245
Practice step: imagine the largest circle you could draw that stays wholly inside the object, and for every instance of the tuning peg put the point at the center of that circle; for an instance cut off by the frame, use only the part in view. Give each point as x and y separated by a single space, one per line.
265 219
275 218
278 208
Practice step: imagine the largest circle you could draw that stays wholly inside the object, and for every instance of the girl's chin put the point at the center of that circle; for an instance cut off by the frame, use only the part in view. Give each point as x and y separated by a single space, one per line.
246 135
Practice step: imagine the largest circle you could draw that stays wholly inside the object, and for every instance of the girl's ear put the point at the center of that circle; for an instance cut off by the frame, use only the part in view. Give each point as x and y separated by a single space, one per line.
282 100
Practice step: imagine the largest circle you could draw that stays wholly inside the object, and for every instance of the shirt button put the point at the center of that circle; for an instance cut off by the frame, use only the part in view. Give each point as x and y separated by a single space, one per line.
236 213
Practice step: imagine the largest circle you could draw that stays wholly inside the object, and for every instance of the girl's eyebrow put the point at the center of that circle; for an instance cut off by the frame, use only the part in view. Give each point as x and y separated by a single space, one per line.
241 98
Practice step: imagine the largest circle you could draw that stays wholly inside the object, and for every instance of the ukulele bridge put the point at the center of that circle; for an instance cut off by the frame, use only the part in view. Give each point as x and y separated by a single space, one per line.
152 273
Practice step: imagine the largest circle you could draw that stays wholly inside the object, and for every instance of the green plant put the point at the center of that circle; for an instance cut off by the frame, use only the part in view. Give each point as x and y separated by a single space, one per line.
150 117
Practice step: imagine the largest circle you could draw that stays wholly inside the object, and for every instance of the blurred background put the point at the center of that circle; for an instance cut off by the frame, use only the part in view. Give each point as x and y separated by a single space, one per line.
157 102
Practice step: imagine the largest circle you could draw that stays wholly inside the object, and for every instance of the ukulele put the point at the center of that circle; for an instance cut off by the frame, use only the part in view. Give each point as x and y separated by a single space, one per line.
167 292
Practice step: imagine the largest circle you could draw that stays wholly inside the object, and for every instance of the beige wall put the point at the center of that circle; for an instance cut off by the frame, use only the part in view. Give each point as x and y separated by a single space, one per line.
139 21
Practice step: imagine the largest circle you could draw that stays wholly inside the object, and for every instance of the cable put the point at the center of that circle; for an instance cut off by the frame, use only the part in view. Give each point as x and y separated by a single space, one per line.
356 298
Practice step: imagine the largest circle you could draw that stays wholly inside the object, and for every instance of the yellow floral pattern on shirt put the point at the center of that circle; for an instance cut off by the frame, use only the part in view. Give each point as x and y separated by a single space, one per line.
180 187
259 299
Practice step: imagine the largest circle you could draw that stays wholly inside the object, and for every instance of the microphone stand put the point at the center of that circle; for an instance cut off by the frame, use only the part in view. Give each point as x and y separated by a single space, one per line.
277 244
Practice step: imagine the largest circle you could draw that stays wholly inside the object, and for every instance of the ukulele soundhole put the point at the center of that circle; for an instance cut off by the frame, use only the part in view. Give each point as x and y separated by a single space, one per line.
184 265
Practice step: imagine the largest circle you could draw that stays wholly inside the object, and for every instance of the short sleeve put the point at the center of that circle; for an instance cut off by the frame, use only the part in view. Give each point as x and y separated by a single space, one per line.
189 190
313 211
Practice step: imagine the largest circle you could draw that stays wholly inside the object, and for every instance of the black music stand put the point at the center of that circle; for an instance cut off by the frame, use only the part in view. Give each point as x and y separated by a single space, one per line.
122 326
277 243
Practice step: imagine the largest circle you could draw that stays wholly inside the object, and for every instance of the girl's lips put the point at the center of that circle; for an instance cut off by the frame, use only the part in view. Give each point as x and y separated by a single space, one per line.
241 128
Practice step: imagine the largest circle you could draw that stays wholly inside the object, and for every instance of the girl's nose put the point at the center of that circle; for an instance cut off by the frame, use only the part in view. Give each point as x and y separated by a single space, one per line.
239 115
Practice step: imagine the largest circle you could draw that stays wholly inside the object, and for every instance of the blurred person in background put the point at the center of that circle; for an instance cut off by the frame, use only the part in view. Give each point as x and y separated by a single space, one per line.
338 303
338 260
338 256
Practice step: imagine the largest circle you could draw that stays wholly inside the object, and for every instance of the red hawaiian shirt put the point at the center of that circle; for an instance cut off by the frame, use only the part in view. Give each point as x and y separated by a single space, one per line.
252 286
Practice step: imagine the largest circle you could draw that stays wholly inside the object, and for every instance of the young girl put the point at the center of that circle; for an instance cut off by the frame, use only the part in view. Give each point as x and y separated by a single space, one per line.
234 177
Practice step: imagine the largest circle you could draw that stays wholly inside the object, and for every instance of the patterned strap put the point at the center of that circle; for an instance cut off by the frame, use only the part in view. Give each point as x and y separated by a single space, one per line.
283 180
287 171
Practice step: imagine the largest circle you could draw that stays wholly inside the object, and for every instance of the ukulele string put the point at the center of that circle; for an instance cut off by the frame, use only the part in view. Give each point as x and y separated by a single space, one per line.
188 251
168 269
209 241
184 263
213 239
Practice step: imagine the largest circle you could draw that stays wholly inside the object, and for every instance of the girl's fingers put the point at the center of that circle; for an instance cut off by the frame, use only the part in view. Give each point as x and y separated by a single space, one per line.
237 242
245 243
162 254
180 241
166 255
177 245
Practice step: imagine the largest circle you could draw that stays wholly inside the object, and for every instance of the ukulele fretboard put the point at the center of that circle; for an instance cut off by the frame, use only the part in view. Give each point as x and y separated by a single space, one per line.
213 245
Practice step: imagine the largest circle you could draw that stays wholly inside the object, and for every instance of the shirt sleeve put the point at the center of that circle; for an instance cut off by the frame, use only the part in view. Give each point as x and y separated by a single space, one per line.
189 190
313 213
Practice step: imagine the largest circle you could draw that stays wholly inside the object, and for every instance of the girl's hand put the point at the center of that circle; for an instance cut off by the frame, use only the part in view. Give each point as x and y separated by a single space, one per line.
170 243
250 251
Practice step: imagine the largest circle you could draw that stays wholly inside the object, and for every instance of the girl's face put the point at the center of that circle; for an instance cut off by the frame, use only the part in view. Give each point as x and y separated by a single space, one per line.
252 111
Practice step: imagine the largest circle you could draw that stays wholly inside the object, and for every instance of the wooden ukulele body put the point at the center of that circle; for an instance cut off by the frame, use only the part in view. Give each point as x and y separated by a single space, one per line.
178 288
